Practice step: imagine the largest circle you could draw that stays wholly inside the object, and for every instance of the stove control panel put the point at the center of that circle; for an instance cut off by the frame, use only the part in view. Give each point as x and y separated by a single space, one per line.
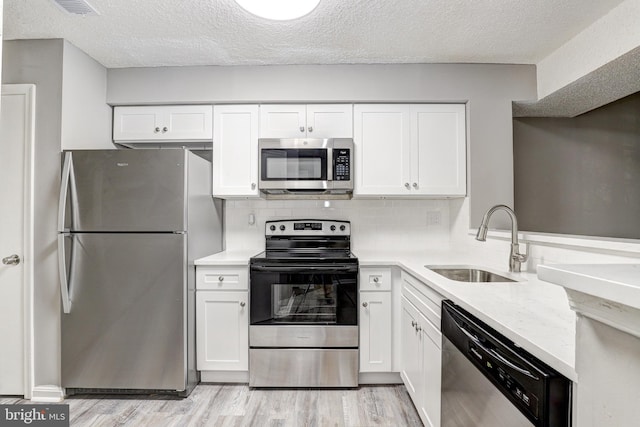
305 227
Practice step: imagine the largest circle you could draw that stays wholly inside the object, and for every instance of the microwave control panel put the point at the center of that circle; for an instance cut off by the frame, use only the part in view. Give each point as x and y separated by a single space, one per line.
341 164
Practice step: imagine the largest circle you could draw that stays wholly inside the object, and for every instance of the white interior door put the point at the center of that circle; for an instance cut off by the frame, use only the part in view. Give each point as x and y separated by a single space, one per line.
16 139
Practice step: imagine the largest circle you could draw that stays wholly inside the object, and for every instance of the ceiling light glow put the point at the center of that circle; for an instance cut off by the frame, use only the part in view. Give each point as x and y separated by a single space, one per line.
279 10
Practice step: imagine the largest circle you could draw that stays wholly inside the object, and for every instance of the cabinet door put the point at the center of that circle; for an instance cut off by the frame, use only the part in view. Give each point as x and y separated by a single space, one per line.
137 123
235 151
411 349
222 328
431 341
375 331
188 123
438 150
283 121
330 121
163 123
382 150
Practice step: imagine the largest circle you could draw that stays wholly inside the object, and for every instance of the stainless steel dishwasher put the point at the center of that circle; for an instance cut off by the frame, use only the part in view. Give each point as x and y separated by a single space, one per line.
487 381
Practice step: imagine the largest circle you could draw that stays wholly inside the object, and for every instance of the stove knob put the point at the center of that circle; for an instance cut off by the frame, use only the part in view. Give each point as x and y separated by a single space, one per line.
272 228
282 228
333 228
342 228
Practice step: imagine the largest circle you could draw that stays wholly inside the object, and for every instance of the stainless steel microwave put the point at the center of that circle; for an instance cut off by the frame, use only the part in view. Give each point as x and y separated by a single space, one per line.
306 168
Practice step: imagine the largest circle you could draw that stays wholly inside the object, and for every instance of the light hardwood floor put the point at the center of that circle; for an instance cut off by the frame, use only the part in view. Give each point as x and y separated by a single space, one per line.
237 405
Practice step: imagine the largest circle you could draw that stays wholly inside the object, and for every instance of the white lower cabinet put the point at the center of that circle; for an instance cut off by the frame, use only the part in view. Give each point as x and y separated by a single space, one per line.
411 350
222 321
375 331
375 319
421 342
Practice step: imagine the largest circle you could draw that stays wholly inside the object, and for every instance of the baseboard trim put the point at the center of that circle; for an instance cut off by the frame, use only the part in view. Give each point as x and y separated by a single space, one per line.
47 394
379 378
224 377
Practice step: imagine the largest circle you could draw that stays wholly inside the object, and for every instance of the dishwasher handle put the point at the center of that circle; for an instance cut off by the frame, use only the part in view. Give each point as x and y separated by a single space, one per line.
495 354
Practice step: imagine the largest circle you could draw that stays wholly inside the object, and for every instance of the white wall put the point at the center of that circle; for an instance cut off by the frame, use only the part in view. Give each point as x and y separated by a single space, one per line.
487 89
377 225
71 112
86 117
40 62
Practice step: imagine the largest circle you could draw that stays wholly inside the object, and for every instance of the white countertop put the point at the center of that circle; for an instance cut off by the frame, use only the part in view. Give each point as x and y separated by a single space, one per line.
229 257
619 283
533 313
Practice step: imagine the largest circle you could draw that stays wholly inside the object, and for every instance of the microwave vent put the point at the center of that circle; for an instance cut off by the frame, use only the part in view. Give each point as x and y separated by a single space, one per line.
76 7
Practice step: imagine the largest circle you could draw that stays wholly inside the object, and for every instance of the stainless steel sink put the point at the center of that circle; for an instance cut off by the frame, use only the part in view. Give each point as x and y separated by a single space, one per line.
464 274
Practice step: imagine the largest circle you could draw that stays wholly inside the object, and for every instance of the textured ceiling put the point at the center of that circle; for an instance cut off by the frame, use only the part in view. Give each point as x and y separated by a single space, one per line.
143 33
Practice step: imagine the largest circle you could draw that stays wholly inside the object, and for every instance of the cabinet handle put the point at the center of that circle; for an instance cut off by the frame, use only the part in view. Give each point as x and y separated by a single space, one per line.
364 304
164 129
156 130
415 185
406 184
253 185
414 323
418 328
221 279
301 128
310 128
376 279
242 303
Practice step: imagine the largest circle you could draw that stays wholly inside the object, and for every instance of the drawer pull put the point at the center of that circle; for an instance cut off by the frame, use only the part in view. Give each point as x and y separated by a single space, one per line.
221 279
376 279
242 303
364 304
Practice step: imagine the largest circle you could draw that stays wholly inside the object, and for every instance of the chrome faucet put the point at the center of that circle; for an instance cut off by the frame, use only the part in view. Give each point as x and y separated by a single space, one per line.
515 257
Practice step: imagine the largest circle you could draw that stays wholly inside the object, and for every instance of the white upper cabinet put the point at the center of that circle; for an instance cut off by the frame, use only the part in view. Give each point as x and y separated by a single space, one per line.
410 150
306 121
438 141
163 123
382 145
235 151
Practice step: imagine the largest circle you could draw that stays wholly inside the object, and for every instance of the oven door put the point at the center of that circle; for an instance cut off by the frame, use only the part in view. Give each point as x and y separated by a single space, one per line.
304 295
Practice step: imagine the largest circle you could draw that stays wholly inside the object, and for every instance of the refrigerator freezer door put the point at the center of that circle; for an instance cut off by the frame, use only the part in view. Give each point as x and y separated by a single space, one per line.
127 326
127 190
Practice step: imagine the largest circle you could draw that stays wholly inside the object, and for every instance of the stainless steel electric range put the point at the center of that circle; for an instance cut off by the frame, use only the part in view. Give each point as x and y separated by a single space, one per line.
304 306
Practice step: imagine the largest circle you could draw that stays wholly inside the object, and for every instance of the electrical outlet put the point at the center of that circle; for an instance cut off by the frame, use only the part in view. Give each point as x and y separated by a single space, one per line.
434 218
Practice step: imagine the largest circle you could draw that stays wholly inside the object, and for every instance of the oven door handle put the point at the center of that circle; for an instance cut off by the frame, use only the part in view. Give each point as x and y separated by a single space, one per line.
497 355
304 269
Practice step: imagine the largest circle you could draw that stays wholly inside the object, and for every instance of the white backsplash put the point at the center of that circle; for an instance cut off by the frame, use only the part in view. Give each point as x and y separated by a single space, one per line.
385 225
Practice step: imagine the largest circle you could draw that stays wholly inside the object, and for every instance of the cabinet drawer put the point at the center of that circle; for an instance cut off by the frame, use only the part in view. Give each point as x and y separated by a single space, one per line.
222 278
424 298
375 279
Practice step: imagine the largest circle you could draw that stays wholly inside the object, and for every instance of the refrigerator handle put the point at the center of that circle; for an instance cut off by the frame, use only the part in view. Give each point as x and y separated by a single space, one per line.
64 187
67 182
65 291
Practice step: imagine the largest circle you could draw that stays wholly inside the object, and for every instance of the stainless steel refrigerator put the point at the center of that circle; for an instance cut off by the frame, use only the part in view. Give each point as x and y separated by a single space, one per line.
131 223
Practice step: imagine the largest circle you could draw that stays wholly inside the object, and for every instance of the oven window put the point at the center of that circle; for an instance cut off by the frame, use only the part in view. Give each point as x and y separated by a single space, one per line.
308 298
304 303
294 164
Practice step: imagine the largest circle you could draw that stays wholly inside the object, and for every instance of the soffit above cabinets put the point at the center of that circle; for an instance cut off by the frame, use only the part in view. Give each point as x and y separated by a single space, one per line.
142 33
